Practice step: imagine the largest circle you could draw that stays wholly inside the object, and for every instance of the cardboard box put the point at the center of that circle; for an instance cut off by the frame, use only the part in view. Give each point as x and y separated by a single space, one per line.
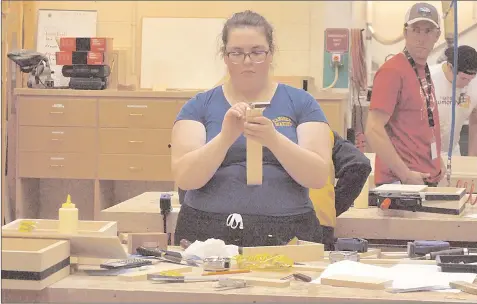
92 44
79 57
33 264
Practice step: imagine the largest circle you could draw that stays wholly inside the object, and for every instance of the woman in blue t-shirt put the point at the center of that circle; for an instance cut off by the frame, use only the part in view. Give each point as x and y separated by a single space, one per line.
209 150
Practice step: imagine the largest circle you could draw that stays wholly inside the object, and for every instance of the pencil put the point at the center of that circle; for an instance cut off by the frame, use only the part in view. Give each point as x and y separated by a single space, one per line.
226 272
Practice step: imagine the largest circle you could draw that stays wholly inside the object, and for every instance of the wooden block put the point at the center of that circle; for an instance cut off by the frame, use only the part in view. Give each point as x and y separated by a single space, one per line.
254 154
148 239
303 252
254 281
42 262
464 286
356 282
374 252
444 193
141 275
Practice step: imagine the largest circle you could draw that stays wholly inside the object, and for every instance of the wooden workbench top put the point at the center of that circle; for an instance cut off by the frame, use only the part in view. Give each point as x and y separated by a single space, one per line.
80 288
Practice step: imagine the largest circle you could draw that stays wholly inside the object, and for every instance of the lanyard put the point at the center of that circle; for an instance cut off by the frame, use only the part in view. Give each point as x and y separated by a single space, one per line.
428 94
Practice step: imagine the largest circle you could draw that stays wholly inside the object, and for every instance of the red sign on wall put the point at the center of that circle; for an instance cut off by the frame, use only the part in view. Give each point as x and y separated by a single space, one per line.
337 40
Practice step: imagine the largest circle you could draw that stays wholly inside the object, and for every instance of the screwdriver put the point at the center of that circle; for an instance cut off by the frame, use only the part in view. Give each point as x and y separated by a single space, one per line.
433 255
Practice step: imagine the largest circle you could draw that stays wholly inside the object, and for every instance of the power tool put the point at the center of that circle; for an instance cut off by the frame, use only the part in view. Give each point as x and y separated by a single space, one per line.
37 65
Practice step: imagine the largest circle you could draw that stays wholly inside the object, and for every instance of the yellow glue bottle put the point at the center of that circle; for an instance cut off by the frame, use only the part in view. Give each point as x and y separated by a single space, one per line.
68 217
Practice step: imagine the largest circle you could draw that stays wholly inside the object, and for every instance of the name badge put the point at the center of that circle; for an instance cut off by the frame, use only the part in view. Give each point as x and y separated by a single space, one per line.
433 150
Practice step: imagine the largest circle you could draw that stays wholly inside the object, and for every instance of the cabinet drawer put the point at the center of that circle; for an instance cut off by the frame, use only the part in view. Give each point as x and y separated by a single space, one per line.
57 165
134 141
57 139
135 167
57 111
135 113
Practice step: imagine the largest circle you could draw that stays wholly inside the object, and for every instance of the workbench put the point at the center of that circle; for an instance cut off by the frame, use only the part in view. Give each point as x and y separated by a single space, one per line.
375 224
81 288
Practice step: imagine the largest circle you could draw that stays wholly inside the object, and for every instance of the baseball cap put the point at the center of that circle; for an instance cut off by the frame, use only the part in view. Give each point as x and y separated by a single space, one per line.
422 12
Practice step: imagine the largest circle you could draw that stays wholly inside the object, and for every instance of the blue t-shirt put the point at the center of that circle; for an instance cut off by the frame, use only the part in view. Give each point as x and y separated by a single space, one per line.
227 191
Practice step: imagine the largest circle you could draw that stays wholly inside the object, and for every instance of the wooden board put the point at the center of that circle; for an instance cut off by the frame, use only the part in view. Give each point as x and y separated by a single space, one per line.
398 188
356 282
254 154
464 286
303 252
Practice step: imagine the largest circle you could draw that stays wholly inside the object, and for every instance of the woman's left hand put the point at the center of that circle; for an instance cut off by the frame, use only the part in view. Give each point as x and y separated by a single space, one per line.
261 129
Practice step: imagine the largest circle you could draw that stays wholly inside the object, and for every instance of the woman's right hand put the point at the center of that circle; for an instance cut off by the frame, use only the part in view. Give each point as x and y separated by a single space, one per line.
233 124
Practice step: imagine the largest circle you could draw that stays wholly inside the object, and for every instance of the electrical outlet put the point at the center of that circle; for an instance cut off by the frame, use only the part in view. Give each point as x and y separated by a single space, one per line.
336 59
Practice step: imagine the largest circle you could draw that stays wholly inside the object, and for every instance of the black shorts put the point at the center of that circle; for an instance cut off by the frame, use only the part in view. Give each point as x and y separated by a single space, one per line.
258 230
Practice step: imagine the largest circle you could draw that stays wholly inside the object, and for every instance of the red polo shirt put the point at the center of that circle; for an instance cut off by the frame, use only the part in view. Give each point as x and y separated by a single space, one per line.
396 92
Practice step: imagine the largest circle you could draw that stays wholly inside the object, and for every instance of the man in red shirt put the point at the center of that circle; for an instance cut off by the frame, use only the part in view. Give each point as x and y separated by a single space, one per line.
403 121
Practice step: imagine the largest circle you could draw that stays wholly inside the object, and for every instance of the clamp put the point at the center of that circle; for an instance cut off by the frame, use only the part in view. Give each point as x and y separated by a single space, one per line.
421 248
351 244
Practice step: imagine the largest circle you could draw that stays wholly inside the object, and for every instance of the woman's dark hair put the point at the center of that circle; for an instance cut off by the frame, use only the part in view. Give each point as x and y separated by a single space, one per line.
247 19
467 58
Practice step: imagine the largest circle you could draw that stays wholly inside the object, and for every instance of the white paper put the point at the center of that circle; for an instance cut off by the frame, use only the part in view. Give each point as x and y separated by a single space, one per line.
405 277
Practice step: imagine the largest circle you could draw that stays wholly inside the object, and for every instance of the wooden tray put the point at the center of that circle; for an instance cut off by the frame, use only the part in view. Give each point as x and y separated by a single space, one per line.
33 264
50 227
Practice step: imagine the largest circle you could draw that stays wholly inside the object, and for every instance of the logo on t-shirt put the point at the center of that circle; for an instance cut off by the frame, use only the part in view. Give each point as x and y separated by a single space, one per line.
463 101
282 121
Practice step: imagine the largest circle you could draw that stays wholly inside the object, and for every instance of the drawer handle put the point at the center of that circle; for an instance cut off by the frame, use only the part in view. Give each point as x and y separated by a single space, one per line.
135 141
135 114
56 112
135 168
56 139
56 166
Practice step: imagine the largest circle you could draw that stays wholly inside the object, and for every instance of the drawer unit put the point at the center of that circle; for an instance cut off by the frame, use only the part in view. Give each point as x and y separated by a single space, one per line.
134 141
135 167
146 114
57 165
57 111
57 139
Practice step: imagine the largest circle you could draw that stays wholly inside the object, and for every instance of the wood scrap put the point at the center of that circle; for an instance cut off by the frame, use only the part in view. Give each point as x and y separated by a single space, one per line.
356 282
464 286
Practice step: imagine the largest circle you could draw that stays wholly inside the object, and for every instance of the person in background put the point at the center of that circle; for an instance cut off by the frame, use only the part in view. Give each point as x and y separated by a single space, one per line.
352 168
403 121
466 97
208 152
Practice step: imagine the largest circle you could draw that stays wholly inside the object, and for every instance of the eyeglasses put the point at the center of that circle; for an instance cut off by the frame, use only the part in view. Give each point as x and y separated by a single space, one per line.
255 56
427 31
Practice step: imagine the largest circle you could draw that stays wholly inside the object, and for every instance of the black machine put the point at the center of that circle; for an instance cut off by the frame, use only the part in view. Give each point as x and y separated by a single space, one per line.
37 65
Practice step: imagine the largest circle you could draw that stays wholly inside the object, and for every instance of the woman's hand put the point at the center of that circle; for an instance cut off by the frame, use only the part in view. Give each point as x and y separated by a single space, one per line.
262 130
233 124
